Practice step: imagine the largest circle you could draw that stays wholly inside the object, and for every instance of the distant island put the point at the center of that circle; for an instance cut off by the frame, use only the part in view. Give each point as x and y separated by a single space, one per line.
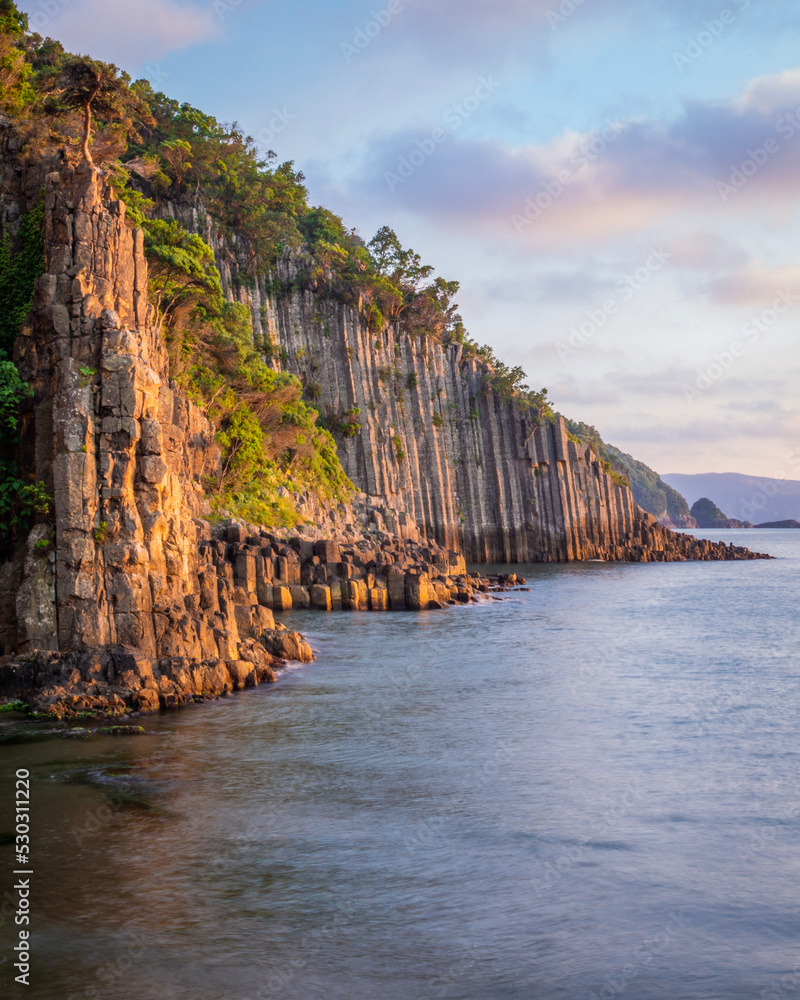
749 498
708 515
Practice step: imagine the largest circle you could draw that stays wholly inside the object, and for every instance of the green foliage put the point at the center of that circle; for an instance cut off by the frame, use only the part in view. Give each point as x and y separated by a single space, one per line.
242 440
12 392
100 532
508 383
438 420
538 405
268 434
706 513
178 155
15 706
97 89
136 204
170 150
375 320
614 476
87 374
398 448
21 263
22 504
349 424
182 271
16 91
650 492
249 195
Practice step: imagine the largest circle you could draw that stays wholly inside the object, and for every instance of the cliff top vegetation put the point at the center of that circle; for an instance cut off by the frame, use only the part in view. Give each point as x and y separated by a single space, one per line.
156 150
163 149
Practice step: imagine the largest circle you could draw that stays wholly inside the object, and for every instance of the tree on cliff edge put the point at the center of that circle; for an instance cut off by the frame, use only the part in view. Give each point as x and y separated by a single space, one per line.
98 91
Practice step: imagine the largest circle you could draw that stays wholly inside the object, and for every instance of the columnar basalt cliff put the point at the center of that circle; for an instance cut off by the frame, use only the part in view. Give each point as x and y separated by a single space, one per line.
135 400
128 597
472 467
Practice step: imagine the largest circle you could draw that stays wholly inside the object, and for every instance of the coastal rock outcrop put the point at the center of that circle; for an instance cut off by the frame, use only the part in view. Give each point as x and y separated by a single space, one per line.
473 468
708 515
130 598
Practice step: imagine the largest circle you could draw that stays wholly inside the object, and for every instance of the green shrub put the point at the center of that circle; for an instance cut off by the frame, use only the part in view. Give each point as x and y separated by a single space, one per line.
350 425
12 392
398 448
21 264
22 504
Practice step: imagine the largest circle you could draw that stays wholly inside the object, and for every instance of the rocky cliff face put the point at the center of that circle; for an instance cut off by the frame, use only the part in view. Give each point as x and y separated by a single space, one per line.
473 469
130 599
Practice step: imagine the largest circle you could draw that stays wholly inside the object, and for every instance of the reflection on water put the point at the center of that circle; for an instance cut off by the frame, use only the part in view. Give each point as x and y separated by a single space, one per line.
587 790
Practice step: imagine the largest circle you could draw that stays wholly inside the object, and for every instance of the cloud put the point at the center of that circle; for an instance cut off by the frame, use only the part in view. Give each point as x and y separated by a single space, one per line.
118 32
578 286
521 19
705 431
755 284
722 158
773 92
705 251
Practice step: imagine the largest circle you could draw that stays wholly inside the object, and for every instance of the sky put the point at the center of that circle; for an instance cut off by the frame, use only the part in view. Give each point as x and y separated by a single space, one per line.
615 183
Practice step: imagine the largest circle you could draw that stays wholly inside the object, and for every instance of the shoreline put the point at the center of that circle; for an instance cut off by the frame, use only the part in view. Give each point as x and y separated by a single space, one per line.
118 682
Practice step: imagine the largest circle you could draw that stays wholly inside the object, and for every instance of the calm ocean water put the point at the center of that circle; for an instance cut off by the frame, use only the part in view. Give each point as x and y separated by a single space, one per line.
588 790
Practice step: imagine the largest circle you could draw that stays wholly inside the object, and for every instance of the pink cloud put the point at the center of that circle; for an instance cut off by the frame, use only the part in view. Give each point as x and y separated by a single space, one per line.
755 284
720 158
118 32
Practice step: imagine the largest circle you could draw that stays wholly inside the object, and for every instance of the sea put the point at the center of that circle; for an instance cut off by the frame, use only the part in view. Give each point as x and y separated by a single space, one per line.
586 789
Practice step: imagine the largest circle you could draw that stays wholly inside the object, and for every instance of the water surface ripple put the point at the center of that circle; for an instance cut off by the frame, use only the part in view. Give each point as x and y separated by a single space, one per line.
588 790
